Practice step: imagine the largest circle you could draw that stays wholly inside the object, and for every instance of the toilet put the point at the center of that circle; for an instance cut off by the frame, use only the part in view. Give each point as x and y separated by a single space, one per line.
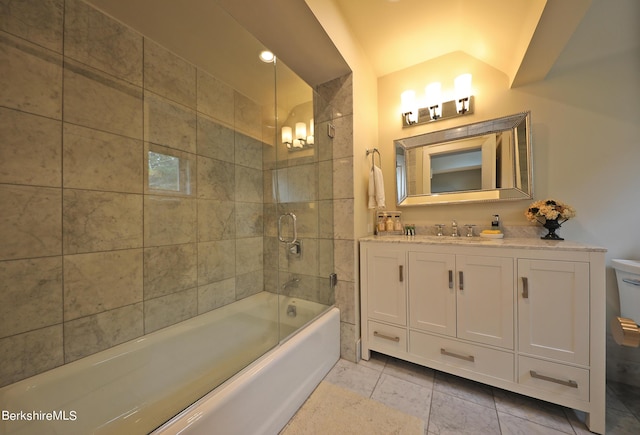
625 329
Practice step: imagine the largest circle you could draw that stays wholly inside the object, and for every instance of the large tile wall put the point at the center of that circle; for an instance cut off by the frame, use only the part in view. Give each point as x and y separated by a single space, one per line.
336 107
91 255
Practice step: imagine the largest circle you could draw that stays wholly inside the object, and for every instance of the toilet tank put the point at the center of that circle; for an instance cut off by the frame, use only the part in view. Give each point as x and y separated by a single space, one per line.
628 276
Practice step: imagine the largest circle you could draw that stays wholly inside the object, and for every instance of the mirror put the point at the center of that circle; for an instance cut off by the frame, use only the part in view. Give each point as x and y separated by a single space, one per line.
485 161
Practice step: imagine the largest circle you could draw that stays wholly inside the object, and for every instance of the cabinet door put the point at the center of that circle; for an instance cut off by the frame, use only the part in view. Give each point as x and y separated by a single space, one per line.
386 295
432 294
553 309
485 290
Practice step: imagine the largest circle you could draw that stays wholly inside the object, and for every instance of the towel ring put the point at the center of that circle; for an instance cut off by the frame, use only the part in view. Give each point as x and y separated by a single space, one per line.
373 158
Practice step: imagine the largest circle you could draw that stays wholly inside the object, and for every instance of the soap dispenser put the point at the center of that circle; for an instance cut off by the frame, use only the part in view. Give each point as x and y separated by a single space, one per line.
495 223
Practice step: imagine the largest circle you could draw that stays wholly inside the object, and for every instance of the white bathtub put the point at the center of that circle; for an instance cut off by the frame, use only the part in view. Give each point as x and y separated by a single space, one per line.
135 387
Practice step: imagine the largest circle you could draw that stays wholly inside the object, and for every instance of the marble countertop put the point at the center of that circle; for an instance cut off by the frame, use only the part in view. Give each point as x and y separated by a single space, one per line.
507 242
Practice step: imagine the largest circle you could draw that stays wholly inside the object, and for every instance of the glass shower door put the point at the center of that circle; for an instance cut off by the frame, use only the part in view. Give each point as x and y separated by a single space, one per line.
299 253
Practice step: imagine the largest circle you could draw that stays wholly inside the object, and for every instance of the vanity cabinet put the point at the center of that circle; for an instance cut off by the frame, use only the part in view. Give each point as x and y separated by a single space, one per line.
388 296
553 326
464 296
387 306
553 310
525 315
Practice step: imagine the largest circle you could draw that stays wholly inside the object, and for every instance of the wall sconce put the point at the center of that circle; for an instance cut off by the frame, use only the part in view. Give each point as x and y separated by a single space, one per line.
433 108
302 140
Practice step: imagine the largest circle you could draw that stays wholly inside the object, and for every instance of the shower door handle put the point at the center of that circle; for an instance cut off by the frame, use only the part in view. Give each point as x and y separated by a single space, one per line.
295 228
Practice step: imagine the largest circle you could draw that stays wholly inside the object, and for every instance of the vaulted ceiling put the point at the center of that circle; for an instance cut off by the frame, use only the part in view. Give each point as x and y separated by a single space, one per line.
521 38
397 34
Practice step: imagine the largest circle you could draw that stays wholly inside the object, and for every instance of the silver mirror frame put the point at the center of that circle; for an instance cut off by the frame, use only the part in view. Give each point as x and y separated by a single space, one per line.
507 123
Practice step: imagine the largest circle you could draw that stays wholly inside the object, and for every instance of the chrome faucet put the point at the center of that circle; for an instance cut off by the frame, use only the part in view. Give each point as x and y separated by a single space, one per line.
293 282
454 229
470 230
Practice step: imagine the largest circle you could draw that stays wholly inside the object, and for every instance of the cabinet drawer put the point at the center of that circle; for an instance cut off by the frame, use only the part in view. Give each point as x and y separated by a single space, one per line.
467 356
556 378
387 338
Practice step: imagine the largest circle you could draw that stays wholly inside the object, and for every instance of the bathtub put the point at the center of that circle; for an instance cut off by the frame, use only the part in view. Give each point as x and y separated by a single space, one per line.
164 380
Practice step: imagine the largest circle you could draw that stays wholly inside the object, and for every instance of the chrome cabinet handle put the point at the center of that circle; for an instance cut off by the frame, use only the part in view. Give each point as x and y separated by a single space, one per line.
469 358
295 228
451 279
525 287
631 281
461 280
569 383
386 337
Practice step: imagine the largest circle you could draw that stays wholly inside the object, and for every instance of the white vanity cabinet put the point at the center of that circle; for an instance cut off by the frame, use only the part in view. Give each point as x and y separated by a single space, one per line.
464 296
525 315
388 302
553 309
553 326
386 310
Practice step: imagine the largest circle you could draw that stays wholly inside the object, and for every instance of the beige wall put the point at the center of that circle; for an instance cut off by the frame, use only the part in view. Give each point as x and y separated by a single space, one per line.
585 138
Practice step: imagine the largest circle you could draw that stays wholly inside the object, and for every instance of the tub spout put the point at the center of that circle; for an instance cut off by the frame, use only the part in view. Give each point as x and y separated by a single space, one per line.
291 282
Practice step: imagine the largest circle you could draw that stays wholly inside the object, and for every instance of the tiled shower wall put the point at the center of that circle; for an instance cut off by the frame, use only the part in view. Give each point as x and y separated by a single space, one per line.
336 108
90 254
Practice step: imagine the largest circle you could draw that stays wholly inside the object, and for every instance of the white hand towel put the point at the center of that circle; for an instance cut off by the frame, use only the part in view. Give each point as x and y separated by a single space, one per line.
376 189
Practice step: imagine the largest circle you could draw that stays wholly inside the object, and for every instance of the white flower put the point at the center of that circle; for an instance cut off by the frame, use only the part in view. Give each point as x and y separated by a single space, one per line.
549 209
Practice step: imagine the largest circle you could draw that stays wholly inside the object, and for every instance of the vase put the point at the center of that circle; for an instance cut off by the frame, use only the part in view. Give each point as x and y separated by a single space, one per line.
552 225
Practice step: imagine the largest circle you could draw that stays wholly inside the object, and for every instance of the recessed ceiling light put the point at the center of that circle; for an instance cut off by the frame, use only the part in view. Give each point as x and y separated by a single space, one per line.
266 56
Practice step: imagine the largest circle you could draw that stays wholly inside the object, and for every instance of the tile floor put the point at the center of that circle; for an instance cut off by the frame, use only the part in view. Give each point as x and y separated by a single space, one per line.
452 405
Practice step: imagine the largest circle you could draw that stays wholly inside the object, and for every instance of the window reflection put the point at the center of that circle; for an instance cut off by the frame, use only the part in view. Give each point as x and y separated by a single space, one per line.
168 173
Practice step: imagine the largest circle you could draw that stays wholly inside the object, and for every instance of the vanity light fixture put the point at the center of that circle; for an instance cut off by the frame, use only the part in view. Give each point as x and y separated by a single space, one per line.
462 86
434 100
433 108
409 107
301 140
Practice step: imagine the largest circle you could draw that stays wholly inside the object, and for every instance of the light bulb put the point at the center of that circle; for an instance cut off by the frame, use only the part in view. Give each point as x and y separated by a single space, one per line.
286 135
301 130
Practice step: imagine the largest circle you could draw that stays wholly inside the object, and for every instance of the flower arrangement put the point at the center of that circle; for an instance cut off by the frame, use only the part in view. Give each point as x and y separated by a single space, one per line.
550 209
554 213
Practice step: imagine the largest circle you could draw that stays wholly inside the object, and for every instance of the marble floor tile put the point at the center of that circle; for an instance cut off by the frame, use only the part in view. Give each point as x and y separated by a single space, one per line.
377 361
537 411
629 395
617 422
354 377
464 389
512 425
410 372
621 423
453 405
612 400
405 396
452 415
